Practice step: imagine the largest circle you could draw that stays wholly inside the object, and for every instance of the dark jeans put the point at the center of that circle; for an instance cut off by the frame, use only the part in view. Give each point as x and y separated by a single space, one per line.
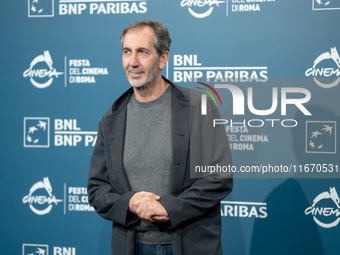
149 249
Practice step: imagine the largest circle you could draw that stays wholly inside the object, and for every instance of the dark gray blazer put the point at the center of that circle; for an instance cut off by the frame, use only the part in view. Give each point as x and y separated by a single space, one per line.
193 205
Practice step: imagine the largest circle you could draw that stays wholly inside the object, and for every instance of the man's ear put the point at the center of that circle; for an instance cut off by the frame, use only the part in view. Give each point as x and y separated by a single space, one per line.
163 59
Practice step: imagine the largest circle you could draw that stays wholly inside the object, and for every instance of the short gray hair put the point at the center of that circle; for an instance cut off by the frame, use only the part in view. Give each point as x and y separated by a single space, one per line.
162 38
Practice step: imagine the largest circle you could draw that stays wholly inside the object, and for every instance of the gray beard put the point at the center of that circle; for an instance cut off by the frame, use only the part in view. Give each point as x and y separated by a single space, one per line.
145 88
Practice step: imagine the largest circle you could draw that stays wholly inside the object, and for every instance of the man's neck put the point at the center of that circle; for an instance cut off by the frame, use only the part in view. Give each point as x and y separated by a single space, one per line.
155 92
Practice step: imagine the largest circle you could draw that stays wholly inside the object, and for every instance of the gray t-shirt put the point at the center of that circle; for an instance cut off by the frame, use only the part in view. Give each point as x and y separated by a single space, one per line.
148 156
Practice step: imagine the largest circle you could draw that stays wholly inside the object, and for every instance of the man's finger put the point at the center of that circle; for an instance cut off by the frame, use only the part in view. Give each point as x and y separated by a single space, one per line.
150 194
160 218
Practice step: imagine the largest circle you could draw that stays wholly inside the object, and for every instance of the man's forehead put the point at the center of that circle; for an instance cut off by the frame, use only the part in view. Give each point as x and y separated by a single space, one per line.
142 35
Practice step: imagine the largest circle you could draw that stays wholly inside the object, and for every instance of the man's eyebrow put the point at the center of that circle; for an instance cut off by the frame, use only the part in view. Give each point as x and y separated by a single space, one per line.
138 49
142 48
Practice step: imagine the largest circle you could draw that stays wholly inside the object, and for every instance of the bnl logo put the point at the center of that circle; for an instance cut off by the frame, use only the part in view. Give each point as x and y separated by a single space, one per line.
37 132
42 249
321 137
34 249
40 8
319 5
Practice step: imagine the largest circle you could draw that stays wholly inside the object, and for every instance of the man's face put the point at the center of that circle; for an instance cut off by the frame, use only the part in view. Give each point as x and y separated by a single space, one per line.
140 59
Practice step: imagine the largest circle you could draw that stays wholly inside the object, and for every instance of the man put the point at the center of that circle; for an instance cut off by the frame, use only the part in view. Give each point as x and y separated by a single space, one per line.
139 174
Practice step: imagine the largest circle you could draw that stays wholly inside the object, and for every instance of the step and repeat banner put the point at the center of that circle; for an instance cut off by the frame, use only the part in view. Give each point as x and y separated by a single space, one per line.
272 67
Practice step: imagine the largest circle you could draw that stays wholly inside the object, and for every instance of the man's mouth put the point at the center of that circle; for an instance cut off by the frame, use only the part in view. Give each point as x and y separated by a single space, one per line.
136 73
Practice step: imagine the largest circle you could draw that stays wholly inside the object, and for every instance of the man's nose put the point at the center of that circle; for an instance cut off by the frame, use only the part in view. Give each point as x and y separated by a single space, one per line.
134 61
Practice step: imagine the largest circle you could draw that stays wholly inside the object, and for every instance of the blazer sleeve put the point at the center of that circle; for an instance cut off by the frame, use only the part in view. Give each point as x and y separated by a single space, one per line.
203 194
110 202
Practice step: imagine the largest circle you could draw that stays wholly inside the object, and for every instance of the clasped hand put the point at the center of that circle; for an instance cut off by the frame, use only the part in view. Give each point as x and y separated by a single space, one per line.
146 206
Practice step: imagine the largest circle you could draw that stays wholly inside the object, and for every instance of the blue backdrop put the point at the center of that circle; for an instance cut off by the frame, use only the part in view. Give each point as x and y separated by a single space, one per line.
61 70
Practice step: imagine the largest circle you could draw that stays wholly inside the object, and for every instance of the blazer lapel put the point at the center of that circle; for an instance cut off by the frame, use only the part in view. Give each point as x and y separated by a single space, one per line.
116 127
180 141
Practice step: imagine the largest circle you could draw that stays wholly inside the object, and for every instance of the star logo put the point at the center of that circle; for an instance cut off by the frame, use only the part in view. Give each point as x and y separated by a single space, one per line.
36 132
35 249
326 5
321 137
40 8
